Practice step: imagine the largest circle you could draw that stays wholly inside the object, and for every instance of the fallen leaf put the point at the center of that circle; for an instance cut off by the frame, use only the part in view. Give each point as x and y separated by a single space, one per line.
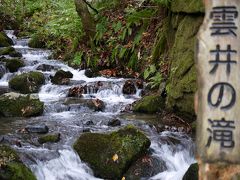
115 157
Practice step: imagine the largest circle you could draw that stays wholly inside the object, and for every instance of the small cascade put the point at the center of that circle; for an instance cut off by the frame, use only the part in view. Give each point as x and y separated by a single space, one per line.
71 116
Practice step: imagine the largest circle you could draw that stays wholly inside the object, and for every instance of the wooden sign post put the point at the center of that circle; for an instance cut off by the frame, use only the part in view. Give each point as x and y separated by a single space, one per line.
218 65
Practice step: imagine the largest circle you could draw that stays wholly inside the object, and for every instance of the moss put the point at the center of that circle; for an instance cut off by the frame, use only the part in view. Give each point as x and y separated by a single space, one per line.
187 6
149 104
16 105
182 82
49 138
6 50
5 41
37 41
14 64
11 167
98 149
192 173
27 82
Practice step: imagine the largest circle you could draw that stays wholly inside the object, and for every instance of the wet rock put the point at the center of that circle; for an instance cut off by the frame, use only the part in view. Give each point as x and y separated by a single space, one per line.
14 64
98 105
114 122
192 172
149 104
86 130
45 67
139 84
129 88
76 91
5 41
11 167
19 105
89 73
109 155
7 50
15 54
2 70
42 129
4 89
89 123
61 77
27 82
49 138
145 167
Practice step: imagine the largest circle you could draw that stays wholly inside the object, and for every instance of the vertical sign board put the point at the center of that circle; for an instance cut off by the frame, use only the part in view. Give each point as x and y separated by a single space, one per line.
218 65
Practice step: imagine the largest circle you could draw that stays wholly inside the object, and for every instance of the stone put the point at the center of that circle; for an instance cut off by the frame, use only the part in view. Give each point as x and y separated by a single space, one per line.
192 172
89 73
37 41
6 50
45 67
5 41
14 64
15 54
98 105
182 85
61 77
145 168
49 138
110 155
76 91
187 6
129 88
11 167
42 129
20 105
149 104
114 122
27 82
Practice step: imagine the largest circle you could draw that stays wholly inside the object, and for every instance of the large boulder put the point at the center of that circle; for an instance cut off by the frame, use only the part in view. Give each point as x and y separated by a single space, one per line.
110 155
27 82
5 41
182 82
19 105
149 104
7 50
187 6
192 172
14 64
61 77
11 167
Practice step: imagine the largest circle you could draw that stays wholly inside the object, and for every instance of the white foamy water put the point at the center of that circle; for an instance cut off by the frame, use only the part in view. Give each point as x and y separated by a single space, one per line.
67 166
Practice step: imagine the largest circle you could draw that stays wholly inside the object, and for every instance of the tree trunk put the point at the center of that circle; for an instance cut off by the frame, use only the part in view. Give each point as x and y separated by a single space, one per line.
87 20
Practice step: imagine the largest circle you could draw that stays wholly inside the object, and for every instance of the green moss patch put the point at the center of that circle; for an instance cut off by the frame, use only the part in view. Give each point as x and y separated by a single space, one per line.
110 155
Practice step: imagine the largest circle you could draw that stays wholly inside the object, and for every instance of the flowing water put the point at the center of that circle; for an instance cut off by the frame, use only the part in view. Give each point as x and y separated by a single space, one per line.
58 161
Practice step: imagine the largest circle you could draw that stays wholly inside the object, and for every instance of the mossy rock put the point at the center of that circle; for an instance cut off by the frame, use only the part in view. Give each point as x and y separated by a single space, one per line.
51 138
149 104
19 105
187 6
14 64
110 155
7 50
27 82
37 41
11 167
61 77
5 41
182 82
192 172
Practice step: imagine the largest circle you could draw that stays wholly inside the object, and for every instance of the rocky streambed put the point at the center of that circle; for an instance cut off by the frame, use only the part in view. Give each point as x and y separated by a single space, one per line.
65 124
